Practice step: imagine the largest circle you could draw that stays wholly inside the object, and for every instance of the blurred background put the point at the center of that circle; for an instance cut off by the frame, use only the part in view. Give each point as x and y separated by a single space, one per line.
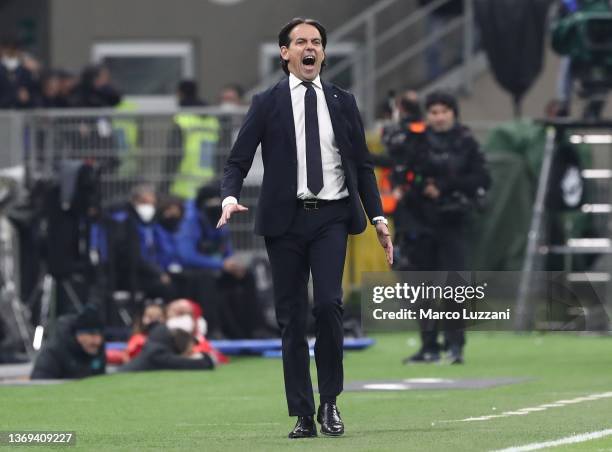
107 107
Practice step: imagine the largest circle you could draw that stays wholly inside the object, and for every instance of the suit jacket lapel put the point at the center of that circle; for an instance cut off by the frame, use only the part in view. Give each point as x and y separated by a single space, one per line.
286 112
335 113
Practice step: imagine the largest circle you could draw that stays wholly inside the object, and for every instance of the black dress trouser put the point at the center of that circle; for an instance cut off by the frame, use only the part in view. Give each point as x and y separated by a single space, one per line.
314 243
443 249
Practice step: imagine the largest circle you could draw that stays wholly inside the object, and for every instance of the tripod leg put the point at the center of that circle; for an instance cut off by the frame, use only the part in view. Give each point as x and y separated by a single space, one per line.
45 303
21 319
74 299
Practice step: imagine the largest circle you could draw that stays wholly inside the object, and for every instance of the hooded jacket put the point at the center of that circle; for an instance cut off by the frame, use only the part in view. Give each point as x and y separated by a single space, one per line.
62 357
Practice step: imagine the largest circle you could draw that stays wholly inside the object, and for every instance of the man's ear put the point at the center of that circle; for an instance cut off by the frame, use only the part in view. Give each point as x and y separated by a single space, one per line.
284 53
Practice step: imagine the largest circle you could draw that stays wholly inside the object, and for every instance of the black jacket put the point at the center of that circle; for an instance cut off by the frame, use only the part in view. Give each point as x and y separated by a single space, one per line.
453 159
11 82
63 357
135 271
270 122
159 354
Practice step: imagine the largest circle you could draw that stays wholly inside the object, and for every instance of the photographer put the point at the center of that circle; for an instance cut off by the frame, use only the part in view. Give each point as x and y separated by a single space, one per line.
439 175
76 350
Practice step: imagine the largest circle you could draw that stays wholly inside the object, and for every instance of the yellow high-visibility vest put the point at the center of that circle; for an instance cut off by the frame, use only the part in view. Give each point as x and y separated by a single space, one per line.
125 132
200 138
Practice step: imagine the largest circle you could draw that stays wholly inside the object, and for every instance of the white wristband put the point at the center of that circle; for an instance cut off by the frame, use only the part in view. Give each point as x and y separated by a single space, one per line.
379 219
228 200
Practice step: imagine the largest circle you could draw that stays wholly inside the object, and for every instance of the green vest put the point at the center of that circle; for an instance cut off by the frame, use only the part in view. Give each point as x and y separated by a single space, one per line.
125 132
200 135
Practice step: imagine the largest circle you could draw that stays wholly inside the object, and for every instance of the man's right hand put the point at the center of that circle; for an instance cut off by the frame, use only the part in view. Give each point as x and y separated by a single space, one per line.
228 211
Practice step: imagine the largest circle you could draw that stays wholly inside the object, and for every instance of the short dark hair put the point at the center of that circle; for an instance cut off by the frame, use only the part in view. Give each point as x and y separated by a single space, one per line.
10 41
442 98
168 201
188 89
284 40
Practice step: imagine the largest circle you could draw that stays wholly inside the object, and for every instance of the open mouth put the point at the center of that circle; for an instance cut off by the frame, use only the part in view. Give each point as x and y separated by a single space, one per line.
308 60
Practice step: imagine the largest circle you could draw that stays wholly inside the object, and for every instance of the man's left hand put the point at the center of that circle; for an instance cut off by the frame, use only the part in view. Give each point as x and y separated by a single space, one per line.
384 237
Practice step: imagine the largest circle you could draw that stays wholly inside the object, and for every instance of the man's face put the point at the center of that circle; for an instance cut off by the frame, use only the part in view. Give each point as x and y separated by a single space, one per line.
440 118
172 211
152 314
52 87
229 96
67 84
90 342
305 52
103 78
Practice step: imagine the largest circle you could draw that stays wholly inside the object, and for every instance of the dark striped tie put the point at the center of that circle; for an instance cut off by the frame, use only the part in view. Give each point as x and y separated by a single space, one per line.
314 168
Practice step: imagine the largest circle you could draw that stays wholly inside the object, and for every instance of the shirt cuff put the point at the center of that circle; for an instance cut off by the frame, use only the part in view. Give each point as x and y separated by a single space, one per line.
375 219
228 200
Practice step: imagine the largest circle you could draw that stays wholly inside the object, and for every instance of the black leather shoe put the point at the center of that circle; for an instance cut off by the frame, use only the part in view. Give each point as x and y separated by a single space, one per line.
304 428
422 357
455 355
330 420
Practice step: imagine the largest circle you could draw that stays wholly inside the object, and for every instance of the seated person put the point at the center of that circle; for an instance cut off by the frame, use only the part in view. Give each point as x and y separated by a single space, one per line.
200 259
76 350
153 314
137 266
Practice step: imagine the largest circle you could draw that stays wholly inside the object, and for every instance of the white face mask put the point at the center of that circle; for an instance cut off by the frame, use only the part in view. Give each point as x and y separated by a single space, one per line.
182 322
202 326
11 63
146 212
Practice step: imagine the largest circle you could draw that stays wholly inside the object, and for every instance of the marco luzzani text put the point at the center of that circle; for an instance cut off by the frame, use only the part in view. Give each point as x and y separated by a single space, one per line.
432 302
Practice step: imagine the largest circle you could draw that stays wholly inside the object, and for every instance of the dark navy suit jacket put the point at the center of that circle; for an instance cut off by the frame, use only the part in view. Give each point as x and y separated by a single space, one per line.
269 121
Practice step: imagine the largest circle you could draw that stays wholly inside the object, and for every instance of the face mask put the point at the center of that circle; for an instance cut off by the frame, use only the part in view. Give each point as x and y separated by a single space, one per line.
170 223
183 322
202 326
149 326
146 212
10 63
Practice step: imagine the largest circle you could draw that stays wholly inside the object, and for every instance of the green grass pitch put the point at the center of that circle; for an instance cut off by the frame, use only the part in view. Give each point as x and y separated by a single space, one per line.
241 407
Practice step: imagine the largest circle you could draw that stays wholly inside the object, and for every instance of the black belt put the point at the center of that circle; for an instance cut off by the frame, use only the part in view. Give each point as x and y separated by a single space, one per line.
315 204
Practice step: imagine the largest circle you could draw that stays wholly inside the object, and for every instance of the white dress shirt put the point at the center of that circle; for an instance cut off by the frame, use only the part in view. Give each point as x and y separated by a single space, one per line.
334 185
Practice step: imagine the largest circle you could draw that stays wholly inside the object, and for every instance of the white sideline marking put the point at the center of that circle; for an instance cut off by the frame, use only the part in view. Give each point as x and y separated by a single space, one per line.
543 407
582 437
387 386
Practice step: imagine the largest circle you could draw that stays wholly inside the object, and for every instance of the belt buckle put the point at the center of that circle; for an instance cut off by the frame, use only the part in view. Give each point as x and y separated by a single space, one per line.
311 204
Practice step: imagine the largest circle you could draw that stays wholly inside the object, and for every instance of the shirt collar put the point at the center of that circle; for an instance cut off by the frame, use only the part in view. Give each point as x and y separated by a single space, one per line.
294 82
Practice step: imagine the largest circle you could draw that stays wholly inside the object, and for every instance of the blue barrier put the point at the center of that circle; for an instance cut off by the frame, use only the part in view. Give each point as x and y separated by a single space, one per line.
264 347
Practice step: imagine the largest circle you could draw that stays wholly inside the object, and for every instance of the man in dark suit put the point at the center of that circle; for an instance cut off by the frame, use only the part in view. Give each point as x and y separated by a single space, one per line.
317 175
